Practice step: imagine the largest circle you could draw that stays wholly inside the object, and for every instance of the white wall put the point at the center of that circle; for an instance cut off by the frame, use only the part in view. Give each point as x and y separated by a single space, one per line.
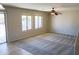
66 23
14 23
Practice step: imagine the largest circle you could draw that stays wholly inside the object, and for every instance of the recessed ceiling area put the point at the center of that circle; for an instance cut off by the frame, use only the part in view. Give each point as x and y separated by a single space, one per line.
43 6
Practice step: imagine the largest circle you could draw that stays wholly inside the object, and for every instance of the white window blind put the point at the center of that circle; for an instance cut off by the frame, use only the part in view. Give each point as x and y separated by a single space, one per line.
38 22
26 22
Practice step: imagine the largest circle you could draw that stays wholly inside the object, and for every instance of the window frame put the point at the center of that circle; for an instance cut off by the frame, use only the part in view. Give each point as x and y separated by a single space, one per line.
27 29
38 17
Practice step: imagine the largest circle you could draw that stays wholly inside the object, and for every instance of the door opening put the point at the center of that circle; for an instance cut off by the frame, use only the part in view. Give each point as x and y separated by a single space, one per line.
2 28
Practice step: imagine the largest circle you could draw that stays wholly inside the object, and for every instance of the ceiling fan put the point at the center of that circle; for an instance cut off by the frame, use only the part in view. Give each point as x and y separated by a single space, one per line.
55 12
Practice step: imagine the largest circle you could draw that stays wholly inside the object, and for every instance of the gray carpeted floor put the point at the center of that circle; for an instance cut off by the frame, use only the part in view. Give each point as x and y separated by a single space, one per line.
48 44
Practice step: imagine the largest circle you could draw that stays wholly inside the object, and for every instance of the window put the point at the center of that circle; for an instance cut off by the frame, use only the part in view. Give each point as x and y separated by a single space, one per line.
29 22
26 23
24 26
38 22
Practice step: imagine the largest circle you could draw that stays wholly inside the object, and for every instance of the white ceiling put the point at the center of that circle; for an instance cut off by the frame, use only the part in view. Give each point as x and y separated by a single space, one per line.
43 6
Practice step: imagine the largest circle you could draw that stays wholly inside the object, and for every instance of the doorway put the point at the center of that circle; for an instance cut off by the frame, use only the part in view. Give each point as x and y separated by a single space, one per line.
2 28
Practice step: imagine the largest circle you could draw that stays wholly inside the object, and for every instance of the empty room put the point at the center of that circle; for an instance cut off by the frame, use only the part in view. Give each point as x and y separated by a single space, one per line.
39 29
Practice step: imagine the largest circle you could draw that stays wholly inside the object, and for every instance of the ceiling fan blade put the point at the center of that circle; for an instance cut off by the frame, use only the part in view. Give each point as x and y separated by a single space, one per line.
56 13
59 12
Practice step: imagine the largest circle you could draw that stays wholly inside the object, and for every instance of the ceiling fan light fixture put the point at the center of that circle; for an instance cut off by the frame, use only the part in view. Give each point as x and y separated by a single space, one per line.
52 13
